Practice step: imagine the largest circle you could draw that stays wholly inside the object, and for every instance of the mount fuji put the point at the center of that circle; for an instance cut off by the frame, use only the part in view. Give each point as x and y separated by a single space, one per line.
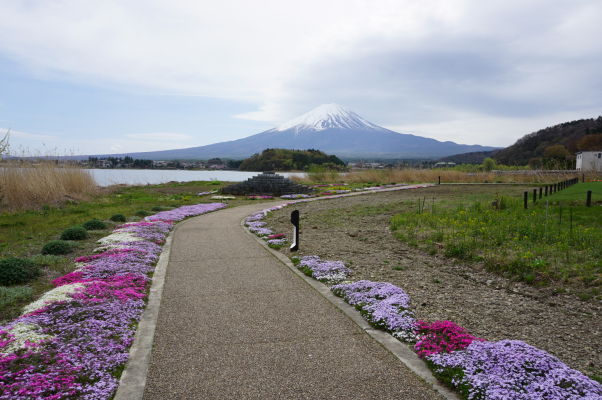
329 128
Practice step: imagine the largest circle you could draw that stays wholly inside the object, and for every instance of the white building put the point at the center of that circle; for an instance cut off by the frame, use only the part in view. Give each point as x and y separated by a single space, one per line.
589 161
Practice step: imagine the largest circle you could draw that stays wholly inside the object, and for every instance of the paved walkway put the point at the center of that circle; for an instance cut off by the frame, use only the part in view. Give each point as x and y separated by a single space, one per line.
235 323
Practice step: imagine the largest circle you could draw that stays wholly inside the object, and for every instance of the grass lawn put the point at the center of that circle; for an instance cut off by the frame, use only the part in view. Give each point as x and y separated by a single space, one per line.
23 234
576 194
556 242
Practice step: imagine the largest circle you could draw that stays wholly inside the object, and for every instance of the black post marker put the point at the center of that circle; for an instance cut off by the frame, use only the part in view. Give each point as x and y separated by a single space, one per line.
526 199
540 192
534 195
295 222
439 180
588 200
546 190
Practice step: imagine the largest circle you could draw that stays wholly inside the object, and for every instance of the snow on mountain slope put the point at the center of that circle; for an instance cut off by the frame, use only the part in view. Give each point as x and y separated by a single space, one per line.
327 116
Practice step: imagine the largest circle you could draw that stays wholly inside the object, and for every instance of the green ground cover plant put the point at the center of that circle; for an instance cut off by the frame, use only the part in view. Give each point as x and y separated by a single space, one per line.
14 294
554 242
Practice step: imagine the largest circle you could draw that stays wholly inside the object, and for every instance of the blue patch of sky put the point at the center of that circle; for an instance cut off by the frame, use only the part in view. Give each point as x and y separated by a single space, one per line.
71 110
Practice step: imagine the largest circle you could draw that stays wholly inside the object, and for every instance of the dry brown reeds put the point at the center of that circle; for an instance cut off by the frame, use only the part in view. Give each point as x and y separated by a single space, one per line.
388 176
36 184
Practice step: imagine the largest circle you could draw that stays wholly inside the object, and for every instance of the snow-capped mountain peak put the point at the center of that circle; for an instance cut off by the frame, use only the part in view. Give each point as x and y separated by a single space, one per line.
327 116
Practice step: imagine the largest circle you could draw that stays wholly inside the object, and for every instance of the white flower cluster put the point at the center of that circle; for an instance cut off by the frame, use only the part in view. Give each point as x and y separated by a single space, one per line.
119 237
60 293
332 278
23 333
405 336
223 197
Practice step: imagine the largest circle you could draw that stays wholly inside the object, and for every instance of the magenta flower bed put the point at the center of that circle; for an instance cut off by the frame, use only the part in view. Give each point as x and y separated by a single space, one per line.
441 336
74 345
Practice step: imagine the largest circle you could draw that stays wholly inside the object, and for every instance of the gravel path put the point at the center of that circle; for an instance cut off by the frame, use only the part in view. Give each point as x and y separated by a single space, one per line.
442 289
235 323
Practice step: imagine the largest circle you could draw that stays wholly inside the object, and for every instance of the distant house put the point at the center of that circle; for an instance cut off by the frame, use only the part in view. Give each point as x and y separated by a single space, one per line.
103 164
589 161
442 164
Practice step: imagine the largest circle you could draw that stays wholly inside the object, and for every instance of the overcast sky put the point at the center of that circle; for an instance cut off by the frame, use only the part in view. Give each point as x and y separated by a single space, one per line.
85 77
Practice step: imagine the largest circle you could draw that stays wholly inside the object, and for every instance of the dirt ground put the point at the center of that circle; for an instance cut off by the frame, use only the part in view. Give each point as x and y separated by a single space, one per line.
488 305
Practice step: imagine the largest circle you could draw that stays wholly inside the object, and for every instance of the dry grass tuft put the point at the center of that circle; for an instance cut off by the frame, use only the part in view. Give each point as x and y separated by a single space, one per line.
387 176
34 185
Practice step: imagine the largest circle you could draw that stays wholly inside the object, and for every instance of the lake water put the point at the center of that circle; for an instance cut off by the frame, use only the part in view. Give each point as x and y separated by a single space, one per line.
106 177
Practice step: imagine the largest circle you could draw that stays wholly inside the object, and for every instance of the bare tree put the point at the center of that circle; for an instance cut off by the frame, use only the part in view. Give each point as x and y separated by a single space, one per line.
4 144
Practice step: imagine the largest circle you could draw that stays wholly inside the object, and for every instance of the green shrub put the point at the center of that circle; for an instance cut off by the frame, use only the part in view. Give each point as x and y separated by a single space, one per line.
118 218
17 270
94 225
142 213
57 247
11 295
74 233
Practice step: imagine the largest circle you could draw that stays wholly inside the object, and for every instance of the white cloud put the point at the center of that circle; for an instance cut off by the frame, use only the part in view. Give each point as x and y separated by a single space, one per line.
399 62
26 135
165 136
34 144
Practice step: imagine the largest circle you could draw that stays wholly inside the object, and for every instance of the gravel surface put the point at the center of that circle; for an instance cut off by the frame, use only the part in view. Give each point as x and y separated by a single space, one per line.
488 305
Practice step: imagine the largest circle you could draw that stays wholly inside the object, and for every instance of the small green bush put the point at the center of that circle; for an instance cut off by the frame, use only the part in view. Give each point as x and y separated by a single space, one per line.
12 295
160 208
118 218
94 224
17 270
142 213
56 247
74 233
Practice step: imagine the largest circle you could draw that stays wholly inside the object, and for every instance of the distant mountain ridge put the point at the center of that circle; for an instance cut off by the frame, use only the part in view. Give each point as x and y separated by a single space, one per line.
534 144
329 128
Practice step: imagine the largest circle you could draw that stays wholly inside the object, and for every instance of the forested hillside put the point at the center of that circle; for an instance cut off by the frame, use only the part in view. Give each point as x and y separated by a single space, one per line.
289 160
559 142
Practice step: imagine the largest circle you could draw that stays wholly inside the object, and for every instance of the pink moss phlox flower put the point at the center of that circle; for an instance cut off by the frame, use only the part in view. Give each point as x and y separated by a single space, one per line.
276 236
5 338
441 336
130 224
38 375
71 277
121 287
108 253
180 213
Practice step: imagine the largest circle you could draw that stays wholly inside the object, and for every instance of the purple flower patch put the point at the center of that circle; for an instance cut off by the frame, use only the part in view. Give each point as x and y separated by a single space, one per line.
323 270
512 369
383 304
73 345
